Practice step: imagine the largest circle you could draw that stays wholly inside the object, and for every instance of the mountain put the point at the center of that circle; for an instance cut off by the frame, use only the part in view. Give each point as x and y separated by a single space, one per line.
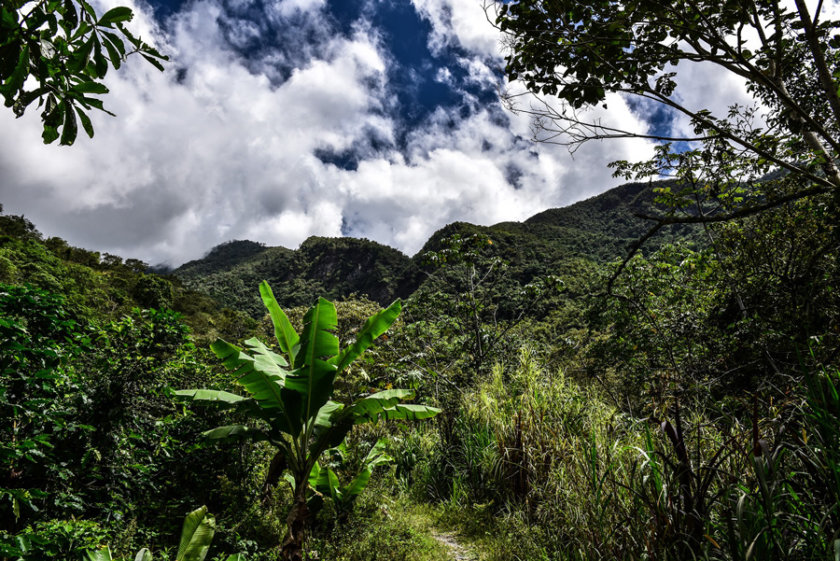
556 241
329 267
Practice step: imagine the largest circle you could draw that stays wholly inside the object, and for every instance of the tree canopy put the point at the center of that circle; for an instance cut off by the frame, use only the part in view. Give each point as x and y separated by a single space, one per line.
58 52
572 54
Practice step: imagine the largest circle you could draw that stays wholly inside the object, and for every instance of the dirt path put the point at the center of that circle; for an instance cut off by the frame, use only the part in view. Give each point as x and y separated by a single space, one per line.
459 551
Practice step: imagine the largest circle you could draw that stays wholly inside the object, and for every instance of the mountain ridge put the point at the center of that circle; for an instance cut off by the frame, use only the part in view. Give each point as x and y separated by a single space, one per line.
598 229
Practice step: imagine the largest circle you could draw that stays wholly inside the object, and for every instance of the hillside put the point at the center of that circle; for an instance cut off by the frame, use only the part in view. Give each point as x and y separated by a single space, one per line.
597 230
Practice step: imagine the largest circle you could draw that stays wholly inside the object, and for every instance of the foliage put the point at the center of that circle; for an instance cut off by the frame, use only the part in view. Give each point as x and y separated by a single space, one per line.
325 482
41 400
196 537
788 57
294 405
64 49
333 267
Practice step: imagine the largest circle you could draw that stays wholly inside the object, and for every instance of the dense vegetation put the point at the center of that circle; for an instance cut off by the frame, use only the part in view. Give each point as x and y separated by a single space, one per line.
581 401
694 412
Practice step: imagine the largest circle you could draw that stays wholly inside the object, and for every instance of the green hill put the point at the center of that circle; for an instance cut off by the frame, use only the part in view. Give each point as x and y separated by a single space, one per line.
556 241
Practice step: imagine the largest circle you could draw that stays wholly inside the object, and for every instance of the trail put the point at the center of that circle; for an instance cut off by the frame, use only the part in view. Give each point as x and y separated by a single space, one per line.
459 551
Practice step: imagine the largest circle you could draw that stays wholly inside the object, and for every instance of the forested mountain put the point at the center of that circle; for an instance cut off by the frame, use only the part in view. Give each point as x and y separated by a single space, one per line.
599 229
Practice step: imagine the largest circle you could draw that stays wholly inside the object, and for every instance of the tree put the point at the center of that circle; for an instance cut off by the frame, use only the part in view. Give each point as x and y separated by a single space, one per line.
63 49
576 53
290 396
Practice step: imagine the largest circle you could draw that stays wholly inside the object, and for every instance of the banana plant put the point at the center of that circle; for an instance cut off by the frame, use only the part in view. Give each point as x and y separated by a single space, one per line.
290 396
196 536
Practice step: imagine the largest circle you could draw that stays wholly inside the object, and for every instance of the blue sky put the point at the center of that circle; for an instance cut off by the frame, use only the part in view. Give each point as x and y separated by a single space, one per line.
277 120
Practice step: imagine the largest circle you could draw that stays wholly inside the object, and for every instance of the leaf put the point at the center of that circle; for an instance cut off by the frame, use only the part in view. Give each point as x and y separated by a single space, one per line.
143 555
50 134
71 17
113 54
116 41
21 71
374 327
236 557
47 49
70 130
234 432
115 15
378 402
314 376
89 87
213 396
86 124
81 55
153 61
100 63
286 335
102 554
196 535
266 356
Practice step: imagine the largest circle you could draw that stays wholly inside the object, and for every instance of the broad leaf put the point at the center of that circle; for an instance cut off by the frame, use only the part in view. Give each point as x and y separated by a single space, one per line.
378 402
103 554
314 376
143 555
286 335
199 527
115 15
211 396
266 356
373 328
234 431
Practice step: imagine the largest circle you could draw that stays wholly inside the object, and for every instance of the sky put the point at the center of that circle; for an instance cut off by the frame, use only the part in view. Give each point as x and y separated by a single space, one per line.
277 120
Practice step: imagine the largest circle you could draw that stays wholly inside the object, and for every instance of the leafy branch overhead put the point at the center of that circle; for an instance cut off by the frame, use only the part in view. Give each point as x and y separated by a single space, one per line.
57 52
570 55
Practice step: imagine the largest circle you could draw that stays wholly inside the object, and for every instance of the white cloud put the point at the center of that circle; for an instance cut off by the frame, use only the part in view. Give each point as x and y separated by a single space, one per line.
221 148
462 22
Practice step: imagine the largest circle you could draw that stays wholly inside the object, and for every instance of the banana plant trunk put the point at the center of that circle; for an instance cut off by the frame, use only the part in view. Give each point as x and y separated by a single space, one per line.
292 549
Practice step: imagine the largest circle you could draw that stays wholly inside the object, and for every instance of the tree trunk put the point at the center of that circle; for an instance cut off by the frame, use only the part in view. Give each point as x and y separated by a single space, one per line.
292 549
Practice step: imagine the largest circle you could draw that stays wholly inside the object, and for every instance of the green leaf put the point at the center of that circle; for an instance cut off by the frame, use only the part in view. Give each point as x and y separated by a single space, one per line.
212 396
234 432
89 87
81 55
115 15
116 41
113 54
143 555
71 17
50 134
236 557
86 124
196 535
153 61
100 63
314 376
21 71
373 328
70 130
103 554
286 335
266 355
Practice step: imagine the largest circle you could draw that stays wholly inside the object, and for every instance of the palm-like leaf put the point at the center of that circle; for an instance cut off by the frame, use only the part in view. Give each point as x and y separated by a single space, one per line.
286 336
385 405
196 535
373 328
313 376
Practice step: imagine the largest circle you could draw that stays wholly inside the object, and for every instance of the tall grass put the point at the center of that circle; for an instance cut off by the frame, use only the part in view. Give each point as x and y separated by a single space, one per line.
533 449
